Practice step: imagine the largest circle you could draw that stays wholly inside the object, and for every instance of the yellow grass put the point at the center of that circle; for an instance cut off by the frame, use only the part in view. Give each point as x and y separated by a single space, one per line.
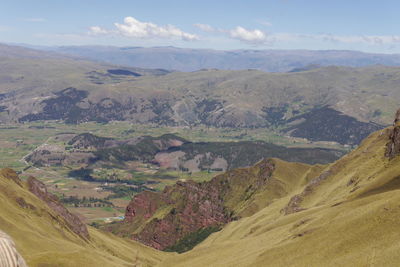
340 226
351 218
43 238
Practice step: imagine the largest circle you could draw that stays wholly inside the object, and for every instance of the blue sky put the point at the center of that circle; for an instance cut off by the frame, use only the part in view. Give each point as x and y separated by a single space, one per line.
367 25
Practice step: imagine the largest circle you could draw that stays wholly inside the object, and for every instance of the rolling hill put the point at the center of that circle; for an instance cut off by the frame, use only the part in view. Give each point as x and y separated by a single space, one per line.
74 91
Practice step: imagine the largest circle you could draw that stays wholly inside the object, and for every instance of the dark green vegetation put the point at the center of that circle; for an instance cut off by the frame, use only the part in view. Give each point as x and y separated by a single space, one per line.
85 202
143 149
169 152
123 72
328 124
192 239
246 153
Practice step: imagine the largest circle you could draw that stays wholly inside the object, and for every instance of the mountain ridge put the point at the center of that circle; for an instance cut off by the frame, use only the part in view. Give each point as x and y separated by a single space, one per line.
192 59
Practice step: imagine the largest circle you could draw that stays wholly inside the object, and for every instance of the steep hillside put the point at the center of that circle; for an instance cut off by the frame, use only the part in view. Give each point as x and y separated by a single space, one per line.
163 220
283 214
343 215
46 234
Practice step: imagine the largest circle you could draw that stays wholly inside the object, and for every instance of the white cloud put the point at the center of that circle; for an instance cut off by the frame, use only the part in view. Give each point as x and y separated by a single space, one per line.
35 19
95 30
136 29
204 27
255 37
250 36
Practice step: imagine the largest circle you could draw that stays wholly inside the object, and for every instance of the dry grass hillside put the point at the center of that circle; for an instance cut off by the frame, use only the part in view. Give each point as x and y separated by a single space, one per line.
44 239
342 214
345 215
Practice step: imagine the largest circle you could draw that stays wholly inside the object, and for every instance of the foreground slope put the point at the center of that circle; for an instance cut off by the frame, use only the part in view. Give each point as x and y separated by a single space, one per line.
345 216
45 236
275 213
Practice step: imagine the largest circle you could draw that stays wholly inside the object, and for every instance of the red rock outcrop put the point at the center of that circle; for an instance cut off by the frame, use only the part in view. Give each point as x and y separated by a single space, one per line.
161 219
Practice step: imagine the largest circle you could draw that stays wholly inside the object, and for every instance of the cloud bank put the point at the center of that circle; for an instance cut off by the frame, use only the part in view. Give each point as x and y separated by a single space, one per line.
250 36
255 37
134 28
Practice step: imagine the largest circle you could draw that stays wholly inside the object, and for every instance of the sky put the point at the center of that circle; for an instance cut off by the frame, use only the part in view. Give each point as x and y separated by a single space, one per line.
364 25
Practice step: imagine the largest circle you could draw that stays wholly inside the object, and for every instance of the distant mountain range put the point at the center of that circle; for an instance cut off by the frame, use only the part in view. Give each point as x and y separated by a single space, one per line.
184 59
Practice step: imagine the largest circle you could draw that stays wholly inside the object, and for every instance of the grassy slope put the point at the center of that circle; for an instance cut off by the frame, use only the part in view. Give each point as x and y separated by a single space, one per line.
341 226
350 220
43 239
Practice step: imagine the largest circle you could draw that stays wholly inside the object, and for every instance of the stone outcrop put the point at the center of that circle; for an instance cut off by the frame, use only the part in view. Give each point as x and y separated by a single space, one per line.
294 204
393 146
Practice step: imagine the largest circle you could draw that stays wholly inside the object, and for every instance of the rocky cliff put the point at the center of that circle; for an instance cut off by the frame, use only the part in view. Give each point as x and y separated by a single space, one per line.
393 146
163 220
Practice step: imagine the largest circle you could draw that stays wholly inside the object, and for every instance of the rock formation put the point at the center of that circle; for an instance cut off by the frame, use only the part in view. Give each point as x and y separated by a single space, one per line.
393 147
162 219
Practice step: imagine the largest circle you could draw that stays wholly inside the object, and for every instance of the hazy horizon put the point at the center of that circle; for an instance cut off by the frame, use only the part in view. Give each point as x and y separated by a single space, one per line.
366 26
